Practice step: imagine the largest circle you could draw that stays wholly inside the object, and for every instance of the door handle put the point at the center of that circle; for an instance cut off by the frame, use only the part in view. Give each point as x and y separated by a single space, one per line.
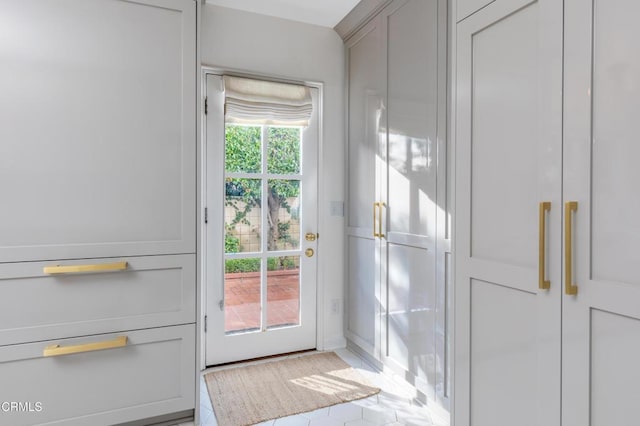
569 287
380 206
543 284
310 236
375 218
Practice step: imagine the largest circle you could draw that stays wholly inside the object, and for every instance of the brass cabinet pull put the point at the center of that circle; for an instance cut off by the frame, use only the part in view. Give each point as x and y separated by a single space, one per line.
543 284
375 218
569 288
57 350
380 206
77 269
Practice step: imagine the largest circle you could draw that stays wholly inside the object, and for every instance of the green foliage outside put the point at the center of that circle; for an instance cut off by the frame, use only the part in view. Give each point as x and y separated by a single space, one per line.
231 243
243 153
253 265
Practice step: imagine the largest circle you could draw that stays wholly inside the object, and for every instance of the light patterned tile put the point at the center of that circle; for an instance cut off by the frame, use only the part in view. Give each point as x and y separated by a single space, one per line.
417 422
393 402
208 419
297 420
367 402
349 357
267 423
361 422
204 409
379 414
326 421
322 412
346 412
414 416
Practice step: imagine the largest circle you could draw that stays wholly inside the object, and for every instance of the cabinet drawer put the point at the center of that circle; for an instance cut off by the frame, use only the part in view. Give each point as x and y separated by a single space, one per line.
152 374
151 292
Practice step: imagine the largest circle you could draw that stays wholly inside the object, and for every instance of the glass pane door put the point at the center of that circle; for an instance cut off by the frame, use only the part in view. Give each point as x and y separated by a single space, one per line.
262 236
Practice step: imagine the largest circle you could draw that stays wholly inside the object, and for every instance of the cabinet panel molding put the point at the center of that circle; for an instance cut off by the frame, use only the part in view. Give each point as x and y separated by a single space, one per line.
99 137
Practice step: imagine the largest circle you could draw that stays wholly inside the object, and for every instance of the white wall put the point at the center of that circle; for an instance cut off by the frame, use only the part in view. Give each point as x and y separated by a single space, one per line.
259 44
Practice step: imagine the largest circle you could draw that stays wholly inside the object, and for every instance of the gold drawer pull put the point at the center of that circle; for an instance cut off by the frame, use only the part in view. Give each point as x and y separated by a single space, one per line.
57 350
78 269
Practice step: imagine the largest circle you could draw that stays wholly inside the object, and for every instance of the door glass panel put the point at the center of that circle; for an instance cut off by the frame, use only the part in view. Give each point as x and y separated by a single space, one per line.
283 216
283 150
283 291
242 215
242 295
243 149
245 221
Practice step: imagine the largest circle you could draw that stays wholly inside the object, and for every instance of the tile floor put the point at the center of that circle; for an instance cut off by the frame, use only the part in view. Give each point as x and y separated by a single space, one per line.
393 406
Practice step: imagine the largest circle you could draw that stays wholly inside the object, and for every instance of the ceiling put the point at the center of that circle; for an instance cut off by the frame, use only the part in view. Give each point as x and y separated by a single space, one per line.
326 13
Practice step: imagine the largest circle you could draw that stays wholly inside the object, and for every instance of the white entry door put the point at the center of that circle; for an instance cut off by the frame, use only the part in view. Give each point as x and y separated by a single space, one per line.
261 235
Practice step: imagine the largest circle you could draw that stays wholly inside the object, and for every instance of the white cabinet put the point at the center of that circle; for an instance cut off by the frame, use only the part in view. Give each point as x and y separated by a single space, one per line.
365 108
98 219
601 323
508 159
98 106
397 130
546 299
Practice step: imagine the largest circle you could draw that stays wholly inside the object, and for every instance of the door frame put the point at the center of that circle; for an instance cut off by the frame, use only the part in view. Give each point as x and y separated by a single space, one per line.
202 198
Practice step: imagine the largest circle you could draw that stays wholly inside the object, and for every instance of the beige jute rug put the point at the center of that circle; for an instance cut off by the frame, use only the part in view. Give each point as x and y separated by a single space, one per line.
256 393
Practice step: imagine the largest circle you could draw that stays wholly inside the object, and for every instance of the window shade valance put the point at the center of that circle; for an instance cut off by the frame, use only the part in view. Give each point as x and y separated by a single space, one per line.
249 101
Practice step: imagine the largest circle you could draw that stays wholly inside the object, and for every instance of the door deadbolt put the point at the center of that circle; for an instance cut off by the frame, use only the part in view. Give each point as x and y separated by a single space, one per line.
309 252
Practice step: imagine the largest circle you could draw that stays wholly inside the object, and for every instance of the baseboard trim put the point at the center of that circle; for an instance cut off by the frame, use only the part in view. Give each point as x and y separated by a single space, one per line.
166 420
335 343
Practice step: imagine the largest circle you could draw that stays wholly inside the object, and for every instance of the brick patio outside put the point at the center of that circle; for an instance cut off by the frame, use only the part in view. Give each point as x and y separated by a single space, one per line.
242 299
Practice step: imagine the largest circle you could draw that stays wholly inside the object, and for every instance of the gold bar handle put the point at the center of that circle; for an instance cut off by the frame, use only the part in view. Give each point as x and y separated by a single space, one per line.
57 350
79 269
569 287
375 217
380 206
543 284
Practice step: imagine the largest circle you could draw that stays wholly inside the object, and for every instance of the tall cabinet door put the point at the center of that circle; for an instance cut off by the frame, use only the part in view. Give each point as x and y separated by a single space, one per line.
416 130
508 161
366 109
98 140
601 315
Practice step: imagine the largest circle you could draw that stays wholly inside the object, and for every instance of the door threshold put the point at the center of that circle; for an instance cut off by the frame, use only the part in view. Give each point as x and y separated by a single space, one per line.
262 359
